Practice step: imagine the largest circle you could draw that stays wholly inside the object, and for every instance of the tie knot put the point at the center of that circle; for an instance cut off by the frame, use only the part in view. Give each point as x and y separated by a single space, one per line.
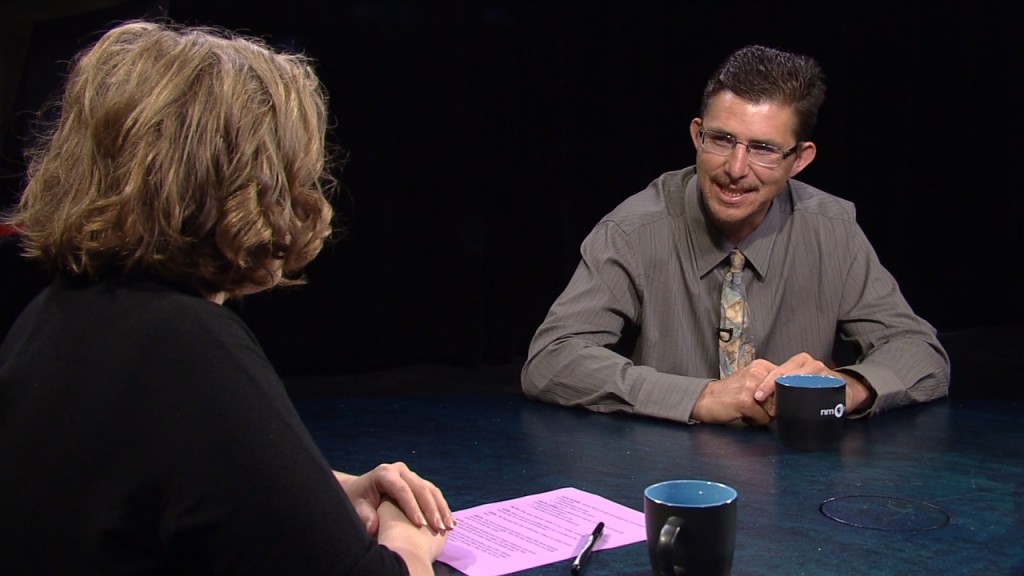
736 260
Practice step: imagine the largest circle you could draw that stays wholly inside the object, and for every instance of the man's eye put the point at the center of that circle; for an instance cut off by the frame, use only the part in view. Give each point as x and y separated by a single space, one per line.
720 140
763 150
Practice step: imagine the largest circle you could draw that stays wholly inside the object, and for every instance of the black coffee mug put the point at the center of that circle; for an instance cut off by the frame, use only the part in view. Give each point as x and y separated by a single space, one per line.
809 410
691 527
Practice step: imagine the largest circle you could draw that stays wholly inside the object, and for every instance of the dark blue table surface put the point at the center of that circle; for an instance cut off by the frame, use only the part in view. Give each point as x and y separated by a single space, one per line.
966 458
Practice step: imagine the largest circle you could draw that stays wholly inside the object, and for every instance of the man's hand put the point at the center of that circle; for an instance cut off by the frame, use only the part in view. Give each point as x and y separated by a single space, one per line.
858 394
748 395
731 399
419 499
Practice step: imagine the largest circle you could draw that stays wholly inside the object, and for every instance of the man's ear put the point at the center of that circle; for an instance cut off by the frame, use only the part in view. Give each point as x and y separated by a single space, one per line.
695 125
804 156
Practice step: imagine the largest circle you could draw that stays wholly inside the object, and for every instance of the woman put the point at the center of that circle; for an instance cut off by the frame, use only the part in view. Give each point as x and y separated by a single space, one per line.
142 429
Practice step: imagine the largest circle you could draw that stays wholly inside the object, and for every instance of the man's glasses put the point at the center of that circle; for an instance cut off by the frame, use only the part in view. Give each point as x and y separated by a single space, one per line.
722 144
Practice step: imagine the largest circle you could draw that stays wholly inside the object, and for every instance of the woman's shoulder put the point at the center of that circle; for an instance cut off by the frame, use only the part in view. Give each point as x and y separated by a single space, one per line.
162 307
151 323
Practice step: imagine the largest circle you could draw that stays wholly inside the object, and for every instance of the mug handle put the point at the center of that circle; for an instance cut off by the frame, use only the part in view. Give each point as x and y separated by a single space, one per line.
666 544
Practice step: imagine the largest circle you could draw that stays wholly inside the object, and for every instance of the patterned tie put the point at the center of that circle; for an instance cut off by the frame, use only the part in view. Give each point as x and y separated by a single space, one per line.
735 350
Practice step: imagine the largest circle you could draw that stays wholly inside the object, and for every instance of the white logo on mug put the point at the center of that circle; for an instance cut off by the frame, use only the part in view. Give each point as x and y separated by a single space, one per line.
838 411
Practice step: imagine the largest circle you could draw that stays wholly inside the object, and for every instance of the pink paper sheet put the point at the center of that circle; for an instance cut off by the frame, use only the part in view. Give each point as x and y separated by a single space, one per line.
523 533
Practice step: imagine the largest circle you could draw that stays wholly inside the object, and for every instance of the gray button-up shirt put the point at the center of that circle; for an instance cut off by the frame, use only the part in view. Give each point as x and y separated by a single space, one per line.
636 329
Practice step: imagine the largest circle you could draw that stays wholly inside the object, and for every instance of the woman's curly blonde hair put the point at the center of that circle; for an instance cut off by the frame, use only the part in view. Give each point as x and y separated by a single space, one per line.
191 154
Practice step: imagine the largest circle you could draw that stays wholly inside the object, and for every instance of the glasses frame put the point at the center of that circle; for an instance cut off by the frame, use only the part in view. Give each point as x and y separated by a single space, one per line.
783 154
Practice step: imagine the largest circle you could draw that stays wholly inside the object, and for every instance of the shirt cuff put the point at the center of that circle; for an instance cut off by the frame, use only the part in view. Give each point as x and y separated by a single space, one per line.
887 386
668 396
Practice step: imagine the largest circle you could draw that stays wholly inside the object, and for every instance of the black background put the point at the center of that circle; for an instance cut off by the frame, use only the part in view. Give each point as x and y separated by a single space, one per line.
486 138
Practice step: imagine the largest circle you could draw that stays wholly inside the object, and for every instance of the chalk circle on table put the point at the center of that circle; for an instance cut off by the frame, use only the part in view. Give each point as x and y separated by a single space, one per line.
889 513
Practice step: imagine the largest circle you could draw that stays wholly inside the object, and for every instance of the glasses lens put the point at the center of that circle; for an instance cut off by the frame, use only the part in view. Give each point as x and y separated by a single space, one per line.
717 143
764 155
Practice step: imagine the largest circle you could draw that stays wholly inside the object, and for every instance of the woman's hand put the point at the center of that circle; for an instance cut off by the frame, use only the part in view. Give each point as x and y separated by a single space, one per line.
418 546
419 499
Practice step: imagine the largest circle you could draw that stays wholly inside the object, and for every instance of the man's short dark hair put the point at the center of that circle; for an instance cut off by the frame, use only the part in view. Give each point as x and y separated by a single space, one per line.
760 74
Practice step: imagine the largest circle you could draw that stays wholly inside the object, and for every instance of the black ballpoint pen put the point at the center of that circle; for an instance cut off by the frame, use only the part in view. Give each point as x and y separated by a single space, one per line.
577 564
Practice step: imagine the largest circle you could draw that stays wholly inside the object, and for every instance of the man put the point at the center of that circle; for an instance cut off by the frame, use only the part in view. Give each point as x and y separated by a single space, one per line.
641 327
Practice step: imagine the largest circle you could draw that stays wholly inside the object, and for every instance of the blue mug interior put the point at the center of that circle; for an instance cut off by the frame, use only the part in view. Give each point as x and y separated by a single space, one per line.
810 381
690 493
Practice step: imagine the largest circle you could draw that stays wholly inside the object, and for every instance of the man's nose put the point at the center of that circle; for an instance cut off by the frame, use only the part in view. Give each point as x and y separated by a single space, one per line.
739 161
